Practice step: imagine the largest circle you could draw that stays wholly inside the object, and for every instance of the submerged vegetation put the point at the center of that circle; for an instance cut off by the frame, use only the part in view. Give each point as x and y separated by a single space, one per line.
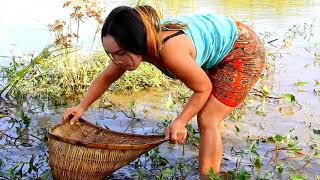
62 71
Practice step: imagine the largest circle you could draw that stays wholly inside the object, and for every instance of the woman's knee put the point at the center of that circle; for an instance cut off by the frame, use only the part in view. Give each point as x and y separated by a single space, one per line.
208 122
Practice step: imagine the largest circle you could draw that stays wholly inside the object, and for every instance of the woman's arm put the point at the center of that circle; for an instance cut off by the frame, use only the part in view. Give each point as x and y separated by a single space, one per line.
180 62
98 86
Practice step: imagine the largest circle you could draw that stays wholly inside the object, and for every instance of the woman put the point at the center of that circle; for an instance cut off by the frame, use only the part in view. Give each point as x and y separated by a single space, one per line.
218 58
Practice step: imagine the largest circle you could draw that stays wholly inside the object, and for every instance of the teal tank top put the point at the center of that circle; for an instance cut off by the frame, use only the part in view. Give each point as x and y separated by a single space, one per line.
213 36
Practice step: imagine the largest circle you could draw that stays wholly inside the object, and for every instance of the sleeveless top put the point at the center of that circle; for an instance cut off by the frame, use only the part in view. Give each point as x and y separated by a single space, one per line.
213 37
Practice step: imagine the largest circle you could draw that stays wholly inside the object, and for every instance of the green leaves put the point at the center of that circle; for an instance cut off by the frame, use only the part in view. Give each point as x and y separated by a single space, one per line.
252 148
257 163
315 90
212 175
300 83
157 159
265 91
280 168
289 97
279 139
170 103
45 54
316 131
297 177
16 76
240 174
25 119
39 60
165 173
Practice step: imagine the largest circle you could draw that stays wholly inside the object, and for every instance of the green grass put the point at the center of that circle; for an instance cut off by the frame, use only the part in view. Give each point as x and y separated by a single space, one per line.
69 74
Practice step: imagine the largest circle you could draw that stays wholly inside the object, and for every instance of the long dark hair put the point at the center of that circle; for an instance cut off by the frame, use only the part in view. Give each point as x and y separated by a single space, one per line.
137 29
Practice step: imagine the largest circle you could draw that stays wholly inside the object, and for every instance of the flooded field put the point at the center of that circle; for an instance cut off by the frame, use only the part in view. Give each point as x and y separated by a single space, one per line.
269 137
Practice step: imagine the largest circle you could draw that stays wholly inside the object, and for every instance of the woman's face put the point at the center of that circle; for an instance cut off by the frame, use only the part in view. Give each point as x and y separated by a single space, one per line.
122 58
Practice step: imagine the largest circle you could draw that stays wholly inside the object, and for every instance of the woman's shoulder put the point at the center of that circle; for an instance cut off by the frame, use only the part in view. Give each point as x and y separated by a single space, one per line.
195 18
193 15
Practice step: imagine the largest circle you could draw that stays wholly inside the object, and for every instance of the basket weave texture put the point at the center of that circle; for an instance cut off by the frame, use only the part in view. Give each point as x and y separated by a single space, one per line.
87 151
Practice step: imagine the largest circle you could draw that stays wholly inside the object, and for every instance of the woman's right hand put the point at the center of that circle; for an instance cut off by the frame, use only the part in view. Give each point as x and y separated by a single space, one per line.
76 111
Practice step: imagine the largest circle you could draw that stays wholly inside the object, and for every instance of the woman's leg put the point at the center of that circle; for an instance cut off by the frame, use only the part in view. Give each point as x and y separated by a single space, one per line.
209 119
231 80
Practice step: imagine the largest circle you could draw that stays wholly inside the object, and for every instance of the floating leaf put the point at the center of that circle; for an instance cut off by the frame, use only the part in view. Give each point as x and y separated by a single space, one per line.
317 82
140 173
300 83
166 172
278 138
289 97
243 175
295 150
302 90
265 90
237 128
297 177
257 164
316 131
260 113
290 145
280 168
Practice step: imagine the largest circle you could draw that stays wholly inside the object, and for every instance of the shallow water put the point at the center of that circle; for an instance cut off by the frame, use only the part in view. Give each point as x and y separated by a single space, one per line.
263 15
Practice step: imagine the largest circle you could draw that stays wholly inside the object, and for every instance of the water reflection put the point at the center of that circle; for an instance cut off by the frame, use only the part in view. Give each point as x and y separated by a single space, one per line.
31 34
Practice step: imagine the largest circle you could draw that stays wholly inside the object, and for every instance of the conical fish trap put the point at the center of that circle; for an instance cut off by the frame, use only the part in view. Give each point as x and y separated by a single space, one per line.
87 151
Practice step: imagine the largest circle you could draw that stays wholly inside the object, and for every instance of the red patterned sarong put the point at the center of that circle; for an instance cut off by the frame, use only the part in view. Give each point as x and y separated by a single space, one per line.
235 75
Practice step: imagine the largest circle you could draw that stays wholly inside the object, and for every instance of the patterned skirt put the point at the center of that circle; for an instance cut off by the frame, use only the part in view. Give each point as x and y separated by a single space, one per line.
235 75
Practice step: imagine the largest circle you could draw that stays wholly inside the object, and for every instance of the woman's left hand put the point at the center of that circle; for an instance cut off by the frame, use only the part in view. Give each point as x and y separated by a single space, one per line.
176 131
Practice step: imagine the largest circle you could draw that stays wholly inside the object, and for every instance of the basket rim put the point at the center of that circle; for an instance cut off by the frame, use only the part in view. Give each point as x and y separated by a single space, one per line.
110 146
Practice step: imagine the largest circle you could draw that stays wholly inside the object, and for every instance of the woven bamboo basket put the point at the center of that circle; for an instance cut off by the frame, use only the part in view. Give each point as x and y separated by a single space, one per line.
87 151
